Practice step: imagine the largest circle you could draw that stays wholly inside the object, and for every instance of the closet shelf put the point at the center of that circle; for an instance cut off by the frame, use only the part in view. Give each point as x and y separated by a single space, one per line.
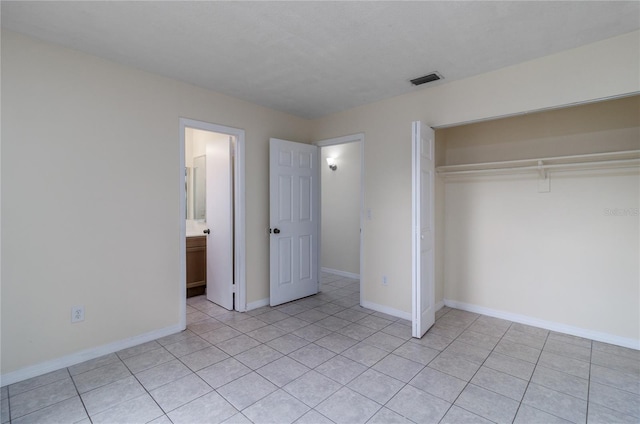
622 159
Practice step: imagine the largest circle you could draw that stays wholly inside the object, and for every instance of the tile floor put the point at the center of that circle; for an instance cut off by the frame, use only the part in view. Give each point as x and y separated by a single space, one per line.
324 359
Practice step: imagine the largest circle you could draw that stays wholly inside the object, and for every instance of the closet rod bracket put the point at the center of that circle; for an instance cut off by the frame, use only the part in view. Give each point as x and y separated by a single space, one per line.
544 185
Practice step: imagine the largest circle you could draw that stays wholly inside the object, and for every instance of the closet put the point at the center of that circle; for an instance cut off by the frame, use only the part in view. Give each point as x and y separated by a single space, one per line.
538 216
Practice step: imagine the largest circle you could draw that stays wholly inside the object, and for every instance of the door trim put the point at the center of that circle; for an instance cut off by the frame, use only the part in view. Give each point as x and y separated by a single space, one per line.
239 271
343 140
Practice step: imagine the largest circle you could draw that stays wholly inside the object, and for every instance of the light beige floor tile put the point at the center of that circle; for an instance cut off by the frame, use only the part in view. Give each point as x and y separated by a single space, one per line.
278 407
439 384
108 396
147 359
561 382
348 406
488 404
376 386
163 374
179 392
67 411
457 415
312 355
501 383
100 376
139 410
282 371
398 367
559 404
246 390
258 356
223 372
418 406
341 369
41 397
33 383
210 408
312 388
616 399
530 415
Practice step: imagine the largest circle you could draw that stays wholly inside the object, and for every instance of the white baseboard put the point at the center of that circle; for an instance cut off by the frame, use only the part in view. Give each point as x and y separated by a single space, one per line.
340 273
84 355
549 325
386 310
395 312
258 304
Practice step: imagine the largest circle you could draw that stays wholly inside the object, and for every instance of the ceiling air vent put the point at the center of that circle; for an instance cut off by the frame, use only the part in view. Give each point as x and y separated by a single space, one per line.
434 76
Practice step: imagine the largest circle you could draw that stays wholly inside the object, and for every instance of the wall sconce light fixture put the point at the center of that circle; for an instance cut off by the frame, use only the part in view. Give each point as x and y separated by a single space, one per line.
332 163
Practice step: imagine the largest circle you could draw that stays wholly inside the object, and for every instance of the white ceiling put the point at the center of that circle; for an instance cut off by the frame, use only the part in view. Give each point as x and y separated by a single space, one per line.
315 58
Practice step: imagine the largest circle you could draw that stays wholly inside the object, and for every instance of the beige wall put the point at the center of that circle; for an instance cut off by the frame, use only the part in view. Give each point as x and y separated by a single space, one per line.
341 208
90 197
549 82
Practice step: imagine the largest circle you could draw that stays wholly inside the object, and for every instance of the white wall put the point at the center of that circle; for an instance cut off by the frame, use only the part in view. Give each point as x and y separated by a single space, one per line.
341 208
195 142
90 199
600 70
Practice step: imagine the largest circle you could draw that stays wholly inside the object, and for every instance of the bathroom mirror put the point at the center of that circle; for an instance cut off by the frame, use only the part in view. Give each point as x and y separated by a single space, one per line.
195 184
199 188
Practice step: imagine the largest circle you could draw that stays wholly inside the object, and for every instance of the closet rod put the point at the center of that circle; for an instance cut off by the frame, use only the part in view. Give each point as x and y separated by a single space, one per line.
617 163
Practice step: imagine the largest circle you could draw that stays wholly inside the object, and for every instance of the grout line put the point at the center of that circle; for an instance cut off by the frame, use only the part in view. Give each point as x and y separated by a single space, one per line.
79 395
589 380
142 385
9 404
535 366
474 374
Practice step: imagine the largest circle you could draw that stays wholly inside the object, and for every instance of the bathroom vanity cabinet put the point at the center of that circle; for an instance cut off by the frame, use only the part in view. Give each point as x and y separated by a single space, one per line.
196 265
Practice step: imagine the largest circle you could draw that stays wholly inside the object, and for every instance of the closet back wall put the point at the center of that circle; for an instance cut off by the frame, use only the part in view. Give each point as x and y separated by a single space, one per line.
568 257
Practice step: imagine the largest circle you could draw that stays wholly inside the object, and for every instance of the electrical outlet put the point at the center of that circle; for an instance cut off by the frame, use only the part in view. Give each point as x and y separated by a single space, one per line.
384 280
77 313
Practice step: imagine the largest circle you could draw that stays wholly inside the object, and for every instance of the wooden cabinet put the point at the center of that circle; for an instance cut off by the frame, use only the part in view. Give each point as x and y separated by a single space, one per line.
196 265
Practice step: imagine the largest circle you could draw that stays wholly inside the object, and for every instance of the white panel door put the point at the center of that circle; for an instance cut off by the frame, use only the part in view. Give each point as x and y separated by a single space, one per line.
294 220
219 188
423 291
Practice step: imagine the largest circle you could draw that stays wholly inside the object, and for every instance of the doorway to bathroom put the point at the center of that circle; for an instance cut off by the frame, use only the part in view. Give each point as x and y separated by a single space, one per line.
212 212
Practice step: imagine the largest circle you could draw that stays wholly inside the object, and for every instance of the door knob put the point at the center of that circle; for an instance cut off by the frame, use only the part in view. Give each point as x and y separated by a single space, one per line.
207 231
276 231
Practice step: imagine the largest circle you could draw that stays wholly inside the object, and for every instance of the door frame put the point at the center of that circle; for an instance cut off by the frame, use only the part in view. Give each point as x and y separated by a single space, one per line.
239 271
332 142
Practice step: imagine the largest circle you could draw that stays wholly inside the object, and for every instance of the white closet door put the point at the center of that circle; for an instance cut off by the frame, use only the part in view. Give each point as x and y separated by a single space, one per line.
423 291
